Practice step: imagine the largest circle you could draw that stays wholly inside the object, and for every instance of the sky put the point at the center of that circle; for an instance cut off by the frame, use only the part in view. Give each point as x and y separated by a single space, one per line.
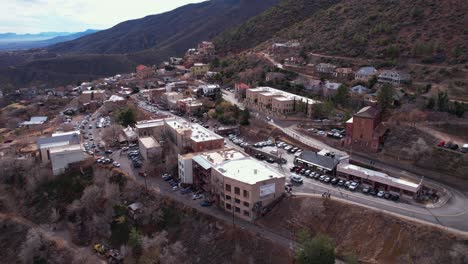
34 16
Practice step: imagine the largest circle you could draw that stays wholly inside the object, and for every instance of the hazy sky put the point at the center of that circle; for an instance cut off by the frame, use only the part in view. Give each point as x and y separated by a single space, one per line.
33 16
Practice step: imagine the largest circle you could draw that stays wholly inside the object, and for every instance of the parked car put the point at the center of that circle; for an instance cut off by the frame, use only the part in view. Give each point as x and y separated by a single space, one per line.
108 151
464 149
365 190
334 181
353 186
293 168
166 177
316 176
395 197
373 192
327 180
297 179
197 196
380 194
116 164
441 143
260 156
341 183
206 203
454 147
322 178
270 160
387 195
302 171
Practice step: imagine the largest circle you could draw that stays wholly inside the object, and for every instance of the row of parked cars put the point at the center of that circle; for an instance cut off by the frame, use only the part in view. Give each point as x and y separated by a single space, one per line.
195 195
238 141
136 158
350 185
453 146
289 148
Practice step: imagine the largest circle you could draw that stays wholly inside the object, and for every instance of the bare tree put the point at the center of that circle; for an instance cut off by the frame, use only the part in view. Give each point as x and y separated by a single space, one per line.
174 254
111 134
31 246
90 195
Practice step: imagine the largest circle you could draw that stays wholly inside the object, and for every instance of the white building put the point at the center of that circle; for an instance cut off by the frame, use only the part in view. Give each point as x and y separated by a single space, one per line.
149 148
61 157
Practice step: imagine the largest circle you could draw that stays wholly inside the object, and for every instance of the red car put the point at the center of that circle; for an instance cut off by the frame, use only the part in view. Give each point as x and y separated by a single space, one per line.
441 144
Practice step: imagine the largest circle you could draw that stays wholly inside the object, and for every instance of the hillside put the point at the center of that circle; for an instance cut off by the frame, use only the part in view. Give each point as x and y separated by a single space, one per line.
264 26
177 30
430 31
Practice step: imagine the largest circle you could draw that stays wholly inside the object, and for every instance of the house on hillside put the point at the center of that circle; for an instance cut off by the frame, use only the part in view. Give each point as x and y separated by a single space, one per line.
359 90
274 76
365 74
330 89
240 90
343 73
325 68
394 77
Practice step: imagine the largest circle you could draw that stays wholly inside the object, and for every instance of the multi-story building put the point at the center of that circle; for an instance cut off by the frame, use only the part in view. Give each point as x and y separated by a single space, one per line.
199 69
170 99
189 105
145 72
61 157
210 89
156 94
59 140
177 86
189 137
149 148
92 95
277 102
365 130
241 90
394 77
150 128
245 187
206 49
325 68
195 168
365 74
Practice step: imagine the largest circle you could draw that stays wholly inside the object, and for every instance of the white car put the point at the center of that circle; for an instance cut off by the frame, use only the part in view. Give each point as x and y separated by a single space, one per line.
353 186
297 179
116 164
197 196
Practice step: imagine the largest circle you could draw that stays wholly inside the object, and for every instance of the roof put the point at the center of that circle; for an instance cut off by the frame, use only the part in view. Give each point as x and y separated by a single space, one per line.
367 70
378 177
36 120
150 123
367 112
198 132
62 140
115 98
149 142
247 170
322 161
77 132
93 91
359 89
135 206
66 148
214 158
283 94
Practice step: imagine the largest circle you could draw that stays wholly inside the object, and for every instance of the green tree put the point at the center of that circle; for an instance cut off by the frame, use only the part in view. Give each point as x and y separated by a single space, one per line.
317 250
458 109
215 63
127 117
134 239
372 82
442 101
244 117
431 103
342 96
385 97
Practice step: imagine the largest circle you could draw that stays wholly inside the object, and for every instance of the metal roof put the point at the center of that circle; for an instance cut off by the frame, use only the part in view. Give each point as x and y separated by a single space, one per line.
313 158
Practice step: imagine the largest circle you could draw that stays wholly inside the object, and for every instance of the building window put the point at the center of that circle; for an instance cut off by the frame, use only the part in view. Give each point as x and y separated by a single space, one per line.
246 194
237 190
228 187
237 210
237 201
228 206
246 213
228 197
246 204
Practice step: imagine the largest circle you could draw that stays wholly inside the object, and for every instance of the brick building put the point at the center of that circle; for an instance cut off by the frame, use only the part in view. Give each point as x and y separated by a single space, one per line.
365 130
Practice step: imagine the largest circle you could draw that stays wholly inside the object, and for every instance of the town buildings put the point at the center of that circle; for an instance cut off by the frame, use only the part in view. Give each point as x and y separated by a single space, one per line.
145 72
359 90
330 89
61 150
365 131
240 90
365 74
92 95
325 68
189 106
274 76
149 148
210 90
190 137
276 102
394 77
245 187
199 69
170 99
153 128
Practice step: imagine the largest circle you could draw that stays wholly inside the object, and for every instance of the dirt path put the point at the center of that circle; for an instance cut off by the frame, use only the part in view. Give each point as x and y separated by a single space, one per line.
439 134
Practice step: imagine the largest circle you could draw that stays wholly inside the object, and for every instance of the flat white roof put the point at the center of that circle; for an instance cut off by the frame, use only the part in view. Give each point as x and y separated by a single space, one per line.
150 123
199 133
93 91
247 170
378 177
149 142
267 91
77 132
214 158
67 148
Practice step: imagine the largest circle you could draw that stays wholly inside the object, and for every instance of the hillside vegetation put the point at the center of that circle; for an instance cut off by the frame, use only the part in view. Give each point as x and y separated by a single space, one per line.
264 26
431 31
